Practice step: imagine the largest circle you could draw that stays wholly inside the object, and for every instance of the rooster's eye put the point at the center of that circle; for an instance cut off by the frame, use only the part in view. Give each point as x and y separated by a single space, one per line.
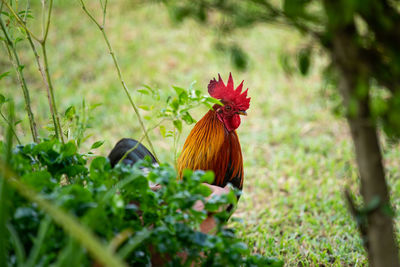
228 108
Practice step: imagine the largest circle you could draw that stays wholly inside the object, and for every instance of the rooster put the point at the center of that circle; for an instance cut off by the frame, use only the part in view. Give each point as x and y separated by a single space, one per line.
213 143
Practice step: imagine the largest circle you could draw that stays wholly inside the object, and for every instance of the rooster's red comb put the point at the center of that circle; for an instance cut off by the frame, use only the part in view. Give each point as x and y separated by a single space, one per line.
218 90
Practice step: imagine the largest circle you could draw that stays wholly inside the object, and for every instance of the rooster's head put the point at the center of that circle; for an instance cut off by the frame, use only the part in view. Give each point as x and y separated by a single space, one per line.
234 102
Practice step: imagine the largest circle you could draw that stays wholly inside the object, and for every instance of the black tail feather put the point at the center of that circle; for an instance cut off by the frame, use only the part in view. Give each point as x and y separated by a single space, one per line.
123 146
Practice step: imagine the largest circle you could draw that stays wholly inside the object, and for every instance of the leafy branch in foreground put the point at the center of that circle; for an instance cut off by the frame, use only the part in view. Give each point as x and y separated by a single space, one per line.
66 221
140 225
120 77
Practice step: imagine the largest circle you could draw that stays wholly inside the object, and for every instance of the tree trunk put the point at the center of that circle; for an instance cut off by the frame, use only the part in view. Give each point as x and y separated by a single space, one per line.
379 238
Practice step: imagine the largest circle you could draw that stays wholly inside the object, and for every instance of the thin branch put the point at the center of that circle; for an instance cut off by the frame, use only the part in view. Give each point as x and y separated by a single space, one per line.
56 118
104 7
46 83
120 75
18 68
46 32
43 17
26 11
45 72
10 126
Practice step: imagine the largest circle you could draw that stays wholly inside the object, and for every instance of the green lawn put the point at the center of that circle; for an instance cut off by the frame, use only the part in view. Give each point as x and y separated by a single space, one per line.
298 156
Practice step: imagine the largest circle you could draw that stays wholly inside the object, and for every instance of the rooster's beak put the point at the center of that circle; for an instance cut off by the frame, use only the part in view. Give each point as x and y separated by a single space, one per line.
242 112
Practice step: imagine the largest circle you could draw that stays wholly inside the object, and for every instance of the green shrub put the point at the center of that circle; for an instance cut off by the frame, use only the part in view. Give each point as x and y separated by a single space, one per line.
120 208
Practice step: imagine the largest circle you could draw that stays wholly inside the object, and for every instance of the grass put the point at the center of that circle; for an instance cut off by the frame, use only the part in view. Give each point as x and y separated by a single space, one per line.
298 155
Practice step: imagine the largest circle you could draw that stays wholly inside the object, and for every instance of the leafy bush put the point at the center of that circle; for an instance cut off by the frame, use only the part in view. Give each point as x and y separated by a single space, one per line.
118 205
61 208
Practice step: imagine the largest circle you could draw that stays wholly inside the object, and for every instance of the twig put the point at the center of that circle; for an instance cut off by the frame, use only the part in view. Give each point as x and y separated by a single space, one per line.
139 117
46 31
104 7
51 91
47 71
18 68
10 126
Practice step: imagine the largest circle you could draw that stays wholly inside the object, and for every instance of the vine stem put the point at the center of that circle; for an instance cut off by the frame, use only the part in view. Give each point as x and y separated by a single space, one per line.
116 64
52 103
18 68
53 106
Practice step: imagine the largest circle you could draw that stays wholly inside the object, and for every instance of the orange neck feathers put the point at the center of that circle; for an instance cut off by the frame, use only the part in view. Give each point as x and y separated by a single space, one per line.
210 146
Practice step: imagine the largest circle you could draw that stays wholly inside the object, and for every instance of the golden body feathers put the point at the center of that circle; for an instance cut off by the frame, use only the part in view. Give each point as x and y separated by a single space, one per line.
210 146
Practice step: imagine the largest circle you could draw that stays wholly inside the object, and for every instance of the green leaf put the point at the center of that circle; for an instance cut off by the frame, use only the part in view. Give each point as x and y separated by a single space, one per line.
239 58
373 204
304 60
69 149
178 125
97 144
17 40
144 107
175 104
284 60
69 223
148 117
117 202
18 245
294 7
70 112
213 100
4 74
208 177
188 118
204 190
143 91
163 130
2 99
179 90
38 180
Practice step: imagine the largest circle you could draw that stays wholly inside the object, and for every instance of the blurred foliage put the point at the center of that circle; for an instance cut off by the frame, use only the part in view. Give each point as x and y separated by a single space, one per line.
374 26
175 106
116 203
